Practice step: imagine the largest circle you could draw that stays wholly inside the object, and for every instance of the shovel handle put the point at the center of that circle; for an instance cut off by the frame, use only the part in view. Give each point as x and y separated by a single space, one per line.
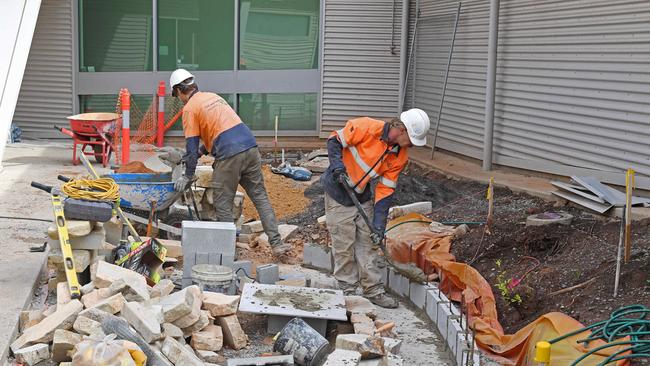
42 187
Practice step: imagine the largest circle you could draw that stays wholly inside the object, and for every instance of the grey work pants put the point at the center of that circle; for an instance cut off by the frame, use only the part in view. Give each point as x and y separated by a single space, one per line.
243 169
355 257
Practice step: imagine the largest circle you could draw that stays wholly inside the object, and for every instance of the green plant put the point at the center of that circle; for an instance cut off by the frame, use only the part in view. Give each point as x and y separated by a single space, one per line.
503 285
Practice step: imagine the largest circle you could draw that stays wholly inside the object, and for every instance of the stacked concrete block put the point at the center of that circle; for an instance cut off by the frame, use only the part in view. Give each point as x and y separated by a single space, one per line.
318 257
267 274
398 283
418 294
207 242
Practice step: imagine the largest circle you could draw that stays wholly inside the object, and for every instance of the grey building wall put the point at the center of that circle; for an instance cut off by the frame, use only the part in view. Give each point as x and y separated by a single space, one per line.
360 75
573 84
46 95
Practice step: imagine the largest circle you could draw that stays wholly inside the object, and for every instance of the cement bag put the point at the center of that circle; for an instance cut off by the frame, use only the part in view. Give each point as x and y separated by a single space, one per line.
108 352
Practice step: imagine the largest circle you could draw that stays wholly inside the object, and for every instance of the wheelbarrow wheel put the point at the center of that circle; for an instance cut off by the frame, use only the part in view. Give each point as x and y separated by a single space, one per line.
176 220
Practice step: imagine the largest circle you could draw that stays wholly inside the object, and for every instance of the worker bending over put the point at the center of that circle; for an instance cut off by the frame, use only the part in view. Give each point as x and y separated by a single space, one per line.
366 149
208 118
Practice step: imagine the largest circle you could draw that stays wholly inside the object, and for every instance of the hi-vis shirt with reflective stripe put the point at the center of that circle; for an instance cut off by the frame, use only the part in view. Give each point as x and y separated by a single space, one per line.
367 156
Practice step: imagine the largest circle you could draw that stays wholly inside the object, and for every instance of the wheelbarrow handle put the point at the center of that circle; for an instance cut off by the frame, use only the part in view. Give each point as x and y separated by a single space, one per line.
43 187
63 178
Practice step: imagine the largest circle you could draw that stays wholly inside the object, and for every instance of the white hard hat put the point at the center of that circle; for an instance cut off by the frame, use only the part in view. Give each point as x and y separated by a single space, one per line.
178 76
417 125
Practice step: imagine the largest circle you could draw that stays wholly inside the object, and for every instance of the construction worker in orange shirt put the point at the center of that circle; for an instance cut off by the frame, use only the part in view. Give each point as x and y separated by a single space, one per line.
212 127
366 149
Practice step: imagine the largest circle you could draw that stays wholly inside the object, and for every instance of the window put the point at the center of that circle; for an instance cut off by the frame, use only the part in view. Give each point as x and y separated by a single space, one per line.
115 35
196 34
294 111
278 34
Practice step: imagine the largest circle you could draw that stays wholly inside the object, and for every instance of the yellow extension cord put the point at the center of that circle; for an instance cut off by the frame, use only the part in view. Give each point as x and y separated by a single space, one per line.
101 189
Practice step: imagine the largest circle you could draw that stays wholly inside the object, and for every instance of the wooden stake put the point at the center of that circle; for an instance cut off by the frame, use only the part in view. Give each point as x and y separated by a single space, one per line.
490 198
275 141
629 190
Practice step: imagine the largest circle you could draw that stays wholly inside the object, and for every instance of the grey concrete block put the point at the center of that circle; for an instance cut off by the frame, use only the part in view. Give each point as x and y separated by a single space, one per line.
227 260
398 283
384 276
317 256
442 316
275 323
268 274
432 304
209 237
246 266
214 258
284 360
202 257
418 294
453 330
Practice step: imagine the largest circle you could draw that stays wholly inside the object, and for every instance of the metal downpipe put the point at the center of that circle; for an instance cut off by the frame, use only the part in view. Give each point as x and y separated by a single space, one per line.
493 43
403 54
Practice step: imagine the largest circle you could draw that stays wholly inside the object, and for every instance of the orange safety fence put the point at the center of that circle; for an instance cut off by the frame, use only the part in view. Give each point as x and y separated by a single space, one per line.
415 242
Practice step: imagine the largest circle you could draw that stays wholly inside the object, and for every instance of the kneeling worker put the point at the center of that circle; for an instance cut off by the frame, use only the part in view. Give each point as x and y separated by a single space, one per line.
208 118
363 150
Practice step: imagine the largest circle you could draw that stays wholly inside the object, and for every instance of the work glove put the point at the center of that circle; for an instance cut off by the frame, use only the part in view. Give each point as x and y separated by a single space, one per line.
170 156
203 151
340 175
182 182
377 237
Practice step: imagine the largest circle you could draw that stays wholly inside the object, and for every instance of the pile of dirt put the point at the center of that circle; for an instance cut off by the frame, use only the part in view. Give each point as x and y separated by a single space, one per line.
287 196
134 167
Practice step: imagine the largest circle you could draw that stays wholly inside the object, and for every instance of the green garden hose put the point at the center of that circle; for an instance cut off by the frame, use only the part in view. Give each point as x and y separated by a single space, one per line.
619 325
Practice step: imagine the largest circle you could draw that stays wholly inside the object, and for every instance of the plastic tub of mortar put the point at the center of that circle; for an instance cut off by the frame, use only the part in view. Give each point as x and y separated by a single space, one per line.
307 346
213 278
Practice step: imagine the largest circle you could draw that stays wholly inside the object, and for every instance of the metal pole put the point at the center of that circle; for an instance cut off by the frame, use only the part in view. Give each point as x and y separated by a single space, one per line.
619 253
444 85
403 54
493 45
410 57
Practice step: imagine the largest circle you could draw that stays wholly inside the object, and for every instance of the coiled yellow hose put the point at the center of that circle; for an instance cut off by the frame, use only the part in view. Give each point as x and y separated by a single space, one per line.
101 189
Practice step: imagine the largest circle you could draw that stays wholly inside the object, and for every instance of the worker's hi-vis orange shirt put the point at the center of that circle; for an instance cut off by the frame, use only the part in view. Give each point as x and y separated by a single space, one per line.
207 115
367 156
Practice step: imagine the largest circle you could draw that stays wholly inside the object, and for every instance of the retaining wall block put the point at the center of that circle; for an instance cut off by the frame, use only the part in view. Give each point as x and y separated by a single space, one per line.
418 294
432 304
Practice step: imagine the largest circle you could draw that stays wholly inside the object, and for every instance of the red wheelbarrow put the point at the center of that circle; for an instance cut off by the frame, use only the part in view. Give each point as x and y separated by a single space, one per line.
96 130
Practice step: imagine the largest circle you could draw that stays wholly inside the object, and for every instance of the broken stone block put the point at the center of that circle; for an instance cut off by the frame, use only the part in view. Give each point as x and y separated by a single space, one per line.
204 321
360 305
43 332
64 341
29 318
220 304
170 330
362 324
174 247
92 298
178 354
163 288
343 357
233 335
143 320
367 346
322 220
95 314
195 314
286 232
62 294
210 357
112 305
87 326
132 289
324 283
177 304
108 273
392 345
87 288
252 227
33 354
49 310
209 339
317 165
81 259
76 228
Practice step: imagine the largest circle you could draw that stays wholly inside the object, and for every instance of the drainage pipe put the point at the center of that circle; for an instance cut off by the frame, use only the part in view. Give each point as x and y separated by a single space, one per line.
403 54
493 44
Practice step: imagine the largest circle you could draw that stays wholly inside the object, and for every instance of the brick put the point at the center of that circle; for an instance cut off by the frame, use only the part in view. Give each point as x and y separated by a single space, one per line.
318 257
267 274
170 330
343 357
199 325
233 335
210 357
178 354
362 324
209 339
76 228
43 332
112 305
360 305
64 341
367 346
252 227
194 315
29 318
219 304
87 326
163 288
177 304
143 319
33 354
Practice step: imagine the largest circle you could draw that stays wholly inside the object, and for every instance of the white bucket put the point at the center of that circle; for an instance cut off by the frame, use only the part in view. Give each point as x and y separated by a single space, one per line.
212 278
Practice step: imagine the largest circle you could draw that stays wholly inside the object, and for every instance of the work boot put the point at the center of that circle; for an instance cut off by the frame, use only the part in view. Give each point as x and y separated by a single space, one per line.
281 249
384 301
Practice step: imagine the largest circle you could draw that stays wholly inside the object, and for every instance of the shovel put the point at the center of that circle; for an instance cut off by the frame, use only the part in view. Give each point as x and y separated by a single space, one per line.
409 270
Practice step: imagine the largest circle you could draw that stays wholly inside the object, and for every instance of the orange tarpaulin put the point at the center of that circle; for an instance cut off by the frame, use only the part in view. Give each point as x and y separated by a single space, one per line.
412 241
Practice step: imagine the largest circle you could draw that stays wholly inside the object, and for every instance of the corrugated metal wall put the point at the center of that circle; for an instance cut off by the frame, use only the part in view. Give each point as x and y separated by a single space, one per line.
360 75
573 83
46 92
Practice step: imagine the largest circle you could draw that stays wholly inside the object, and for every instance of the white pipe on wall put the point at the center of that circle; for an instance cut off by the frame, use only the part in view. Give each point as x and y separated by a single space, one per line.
403 54
493 44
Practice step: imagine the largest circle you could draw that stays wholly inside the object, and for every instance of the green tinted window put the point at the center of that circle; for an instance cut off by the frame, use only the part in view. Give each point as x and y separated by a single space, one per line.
196 34
294 111
115 35
174 103
278 34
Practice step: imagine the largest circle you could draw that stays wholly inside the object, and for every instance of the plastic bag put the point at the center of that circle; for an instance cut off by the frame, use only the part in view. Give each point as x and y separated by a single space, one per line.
108 352
296 173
